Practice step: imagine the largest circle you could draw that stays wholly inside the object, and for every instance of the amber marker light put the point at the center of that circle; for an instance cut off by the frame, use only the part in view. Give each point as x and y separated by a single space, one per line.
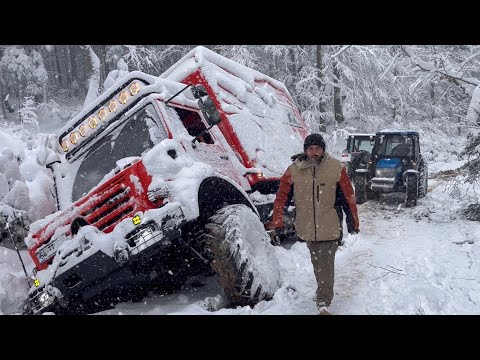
112 106
74 137
123 97
92 122
134 88
102 114
65 145
82 130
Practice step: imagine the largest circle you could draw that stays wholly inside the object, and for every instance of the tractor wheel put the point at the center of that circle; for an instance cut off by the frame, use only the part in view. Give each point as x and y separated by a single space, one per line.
242 255
412 190
423 181
360 189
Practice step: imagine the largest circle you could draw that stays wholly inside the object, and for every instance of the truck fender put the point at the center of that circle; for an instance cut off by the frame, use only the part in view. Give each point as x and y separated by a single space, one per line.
409 172
215 193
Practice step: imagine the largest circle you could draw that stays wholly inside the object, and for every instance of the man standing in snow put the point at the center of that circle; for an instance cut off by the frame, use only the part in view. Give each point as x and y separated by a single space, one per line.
322 190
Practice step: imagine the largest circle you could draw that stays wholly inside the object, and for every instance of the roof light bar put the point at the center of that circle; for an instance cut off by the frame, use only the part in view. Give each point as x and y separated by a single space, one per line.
75 137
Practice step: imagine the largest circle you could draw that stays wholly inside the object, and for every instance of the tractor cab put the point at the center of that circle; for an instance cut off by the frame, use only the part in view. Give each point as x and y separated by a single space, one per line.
358 151
396 166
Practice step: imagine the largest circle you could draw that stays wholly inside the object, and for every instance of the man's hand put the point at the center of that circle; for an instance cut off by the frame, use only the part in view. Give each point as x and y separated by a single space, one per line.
276 236
354 231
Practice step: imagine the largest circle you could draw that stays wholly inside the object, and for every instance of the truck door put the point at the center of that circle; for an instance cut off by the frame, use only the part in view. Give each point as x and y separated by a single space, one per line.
207 148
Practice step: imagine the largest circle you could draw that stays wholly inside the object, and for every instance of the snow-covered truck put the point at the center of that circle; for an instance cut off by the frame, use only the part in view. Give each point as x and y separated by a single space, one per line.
162 178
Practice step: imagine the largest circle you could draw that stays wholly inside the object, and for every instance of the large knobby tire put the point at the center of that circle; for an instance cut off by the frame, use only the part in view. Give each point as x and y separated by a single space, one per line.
423 181
242 255
360 188
412 190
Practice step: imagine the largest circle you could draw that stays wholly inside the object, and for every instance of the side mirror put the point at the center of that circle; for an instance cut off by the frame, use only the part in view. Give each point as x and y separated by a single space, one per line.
206 105
199 91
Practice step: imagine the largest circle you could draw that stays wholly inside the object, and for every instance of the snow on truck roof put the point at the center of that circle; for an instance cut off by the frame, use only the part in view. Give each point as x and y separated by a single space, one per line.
259 108
201 57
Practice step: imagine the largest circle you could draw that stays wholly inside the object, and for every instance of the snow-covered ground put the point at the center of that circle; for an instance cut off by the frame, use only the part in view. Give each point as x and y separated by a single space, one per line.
421 260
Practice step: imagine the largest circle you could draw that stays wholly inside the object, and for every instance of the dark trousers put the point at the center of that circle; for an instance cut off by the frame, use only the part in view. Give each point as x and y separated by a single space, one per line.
322 254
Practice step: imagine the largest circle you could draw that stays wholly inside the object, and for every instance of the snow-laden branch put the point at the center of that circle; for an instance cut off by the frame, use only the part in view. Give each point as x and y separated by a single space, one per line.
94 82
473 111
470 84
389 66
465 82
340 51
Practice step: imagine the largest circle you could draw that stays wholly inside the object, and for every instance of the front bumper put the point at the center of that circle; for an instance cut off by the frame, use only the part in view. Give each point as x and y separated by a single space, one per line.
99 275
382 184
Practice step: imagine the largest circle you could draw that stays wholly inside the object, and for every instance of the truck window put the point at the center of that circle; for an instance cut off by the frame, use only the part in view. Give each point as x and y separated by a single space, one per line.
132 138
194 124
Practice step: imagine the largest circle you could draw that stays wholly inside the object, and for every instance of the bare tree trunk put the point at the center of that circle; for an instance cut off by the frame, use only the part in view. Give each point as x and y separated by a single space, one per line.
321 89
394 98
337 96
432 99
19 93
73 64
68 67
57 63
2 89
294 71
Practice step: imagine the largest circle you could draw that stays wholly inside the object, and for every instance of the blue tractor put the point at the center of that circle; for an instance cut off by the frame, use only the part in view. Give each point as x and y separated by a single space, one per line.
395 165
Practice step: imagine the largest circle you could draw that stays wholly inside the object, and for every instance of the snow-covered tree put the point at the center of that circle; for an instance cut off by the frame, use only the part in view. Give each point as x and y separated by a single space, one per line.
23 72
94 82
28 117
114 75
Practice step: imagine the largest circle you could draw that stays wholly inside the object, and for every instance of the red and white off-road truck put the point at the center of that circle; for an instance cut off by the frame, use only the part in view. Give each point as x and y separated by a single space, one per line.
161 178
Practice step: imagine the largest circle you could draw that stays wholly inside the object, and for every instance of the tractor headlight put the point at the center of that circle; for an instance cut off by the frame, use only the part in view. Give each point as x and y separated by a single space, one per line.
386 172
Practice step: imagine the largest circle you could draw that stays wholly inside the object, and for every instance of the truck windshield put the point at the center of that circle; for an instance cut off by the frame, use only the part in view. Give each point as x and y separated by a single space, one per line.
132 138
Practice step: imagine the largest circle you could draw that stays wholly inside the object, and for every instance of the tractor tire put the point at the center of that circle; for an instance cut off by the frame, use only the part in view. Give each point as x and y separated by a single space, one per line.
242 256
412 190
423 181
360 189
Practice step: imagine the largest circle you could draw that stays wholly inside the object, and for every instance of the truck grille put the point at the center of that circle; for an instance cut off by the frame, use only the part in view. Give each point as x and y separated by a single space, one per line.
115 205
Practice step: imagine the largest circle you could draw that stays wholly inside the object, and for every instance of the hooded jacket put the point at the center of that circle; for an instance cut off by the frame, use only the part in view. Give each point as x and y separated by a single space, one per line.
321 192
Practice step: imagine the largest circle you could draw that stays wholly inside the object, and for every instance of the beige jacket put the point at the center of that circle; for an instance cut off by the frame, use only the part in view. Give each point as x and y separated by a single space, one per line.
321 192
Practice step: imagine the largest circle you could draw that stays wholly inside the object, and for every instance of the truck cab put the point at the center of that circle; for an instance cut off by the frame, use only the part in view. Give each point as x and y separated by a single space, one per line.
149 178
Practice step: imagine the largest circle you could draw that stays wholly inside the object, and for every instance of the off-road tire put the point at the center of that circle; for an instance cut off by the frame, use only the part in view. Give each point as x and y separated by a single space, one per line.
360 188
412 190
423 180
246 265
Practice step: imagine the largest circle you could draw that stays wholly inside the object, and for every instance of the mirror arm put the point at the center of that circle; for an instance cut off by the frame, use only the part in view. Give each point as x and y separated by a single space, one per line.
185 88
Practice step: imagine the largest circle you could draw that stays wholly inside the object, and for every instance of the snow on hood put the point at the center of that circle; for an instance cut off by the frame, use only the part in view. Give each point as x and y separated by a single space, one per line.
181 175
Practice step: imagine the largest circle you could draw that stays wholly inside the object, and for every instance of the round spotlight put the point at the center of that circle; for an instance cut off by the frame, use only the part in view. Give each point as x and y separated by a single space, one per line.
102 114
65 145
134 88
123 97
74 138
112 106
82 130
92 122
